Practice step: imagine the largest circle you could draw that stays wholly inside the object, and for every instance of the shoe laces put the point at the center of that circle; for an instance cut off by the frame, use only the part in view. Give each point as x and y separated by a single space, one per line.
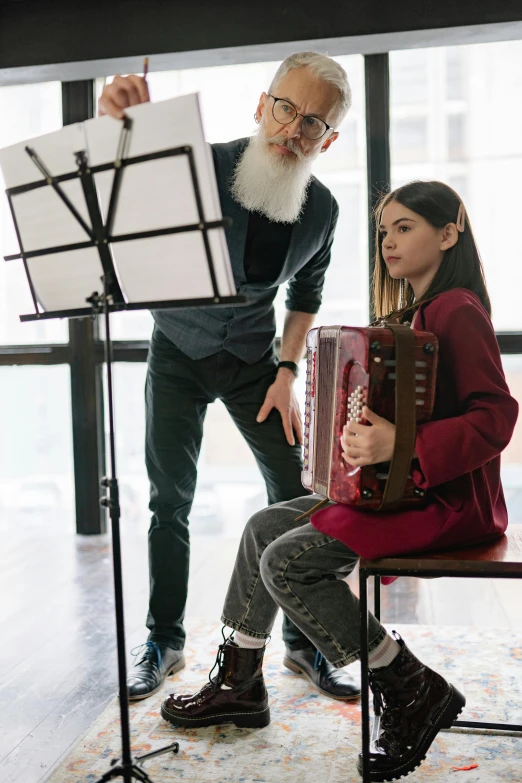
148 652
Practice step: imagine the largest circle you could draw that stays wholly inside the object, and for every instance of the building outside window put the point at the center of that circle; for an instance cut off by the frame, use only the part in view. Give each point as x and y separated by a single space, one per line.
472 112
36 466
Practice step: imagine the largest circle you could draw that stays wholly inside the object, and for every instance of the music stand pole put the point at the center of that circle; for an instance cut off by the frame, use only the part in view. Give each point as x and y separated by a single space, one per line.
126 768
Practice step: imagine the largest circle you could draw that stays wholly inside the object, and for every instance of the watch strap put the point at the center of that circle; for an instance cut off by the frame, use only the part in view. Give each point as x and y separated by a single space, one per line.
289 366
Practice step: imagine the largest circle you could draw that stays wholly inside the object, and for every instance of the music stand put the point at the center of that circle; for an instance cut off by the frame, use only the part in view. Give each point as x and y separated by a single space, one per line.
108 300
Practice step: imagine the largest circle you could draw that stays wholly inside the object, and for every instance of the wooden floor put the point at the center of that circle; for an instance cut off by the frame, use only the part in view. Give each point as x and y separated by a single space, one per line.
57 650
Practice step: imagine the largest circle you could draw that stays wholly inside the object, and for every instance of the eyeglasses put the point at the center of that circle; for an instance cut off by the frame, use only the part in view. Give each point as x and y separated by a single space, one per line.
284 113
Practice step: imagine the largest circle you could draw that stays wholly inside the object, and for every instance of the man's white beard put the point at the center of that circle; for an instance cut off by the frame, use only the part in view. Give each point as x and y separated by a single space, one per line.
274 185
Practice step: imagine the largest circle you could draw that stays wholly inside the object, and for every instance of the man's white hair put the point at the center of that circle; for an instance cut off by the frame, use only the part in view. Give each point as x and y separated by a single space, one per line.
324 68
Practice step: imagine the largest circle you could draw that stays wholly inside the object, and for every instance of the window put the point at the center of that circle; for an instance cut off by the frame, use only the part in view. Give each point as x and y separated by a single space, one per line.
410 139
456 137
32 109
36 463
455 73
477 142
410 82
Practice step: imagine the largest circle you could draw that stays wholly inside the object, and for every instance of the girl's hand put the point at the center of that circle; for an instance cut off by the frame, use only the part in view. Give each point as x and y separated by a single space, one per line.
364 445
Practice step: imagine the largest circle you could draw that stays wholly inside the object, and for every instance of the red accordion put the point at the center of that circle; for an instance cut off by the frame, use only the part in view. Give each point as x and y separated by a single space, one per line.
392 369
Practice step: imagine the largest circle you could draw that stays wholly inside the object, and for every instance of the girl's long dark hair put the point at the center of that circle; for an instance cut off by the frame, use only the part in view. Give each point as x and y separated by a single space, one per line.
461 266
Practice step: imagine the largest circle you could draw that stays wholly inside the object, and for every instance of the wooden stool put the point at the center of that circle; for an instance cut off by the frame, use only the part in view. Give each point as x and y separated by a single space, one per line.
501 560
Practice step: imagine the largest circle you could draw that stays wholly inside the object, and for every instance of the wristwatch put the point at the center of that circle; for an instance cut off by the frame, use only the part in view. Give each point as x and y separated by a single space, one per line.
290 366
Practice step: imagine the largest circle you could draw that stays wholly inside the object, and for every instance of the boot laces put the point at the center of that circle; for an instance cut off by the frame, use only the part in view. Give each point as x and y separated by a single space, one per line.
216 681
393 713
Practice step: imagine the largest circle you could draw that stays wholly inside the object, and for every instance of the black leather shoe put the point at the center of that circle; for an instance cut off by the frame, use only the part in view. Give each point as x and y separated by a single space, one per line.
332 682
416 703
154 663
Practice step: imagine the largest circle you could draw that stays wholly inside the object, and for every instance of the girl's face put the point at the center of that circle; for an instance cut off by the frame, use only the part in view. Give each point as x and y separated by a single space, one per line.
411 247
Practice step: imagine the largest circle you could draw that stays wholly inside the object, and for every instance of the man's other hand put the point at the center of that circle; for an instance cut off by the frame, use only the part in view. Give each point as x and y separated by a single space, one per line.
281 396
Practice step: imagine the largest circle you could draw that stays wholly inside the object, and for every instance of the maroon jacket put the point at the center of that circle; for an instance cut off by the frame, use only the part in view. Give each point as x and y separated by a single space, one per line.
458 450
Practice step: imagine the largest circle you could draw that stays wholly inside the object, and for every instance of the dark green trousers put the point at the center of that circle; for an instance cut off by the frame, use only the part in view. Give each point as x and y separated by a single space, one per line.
177 392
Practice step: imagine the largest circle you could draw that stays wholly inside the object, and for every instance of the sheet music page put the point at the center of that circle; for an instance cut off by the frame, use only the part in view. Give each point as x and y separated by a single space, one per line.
159 194
153 195
55 149
63 281
60 280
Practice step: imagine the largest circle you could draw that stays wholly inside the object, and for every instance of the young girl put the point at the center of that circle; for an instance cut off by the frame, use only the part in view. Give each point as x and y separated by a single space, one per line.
427 267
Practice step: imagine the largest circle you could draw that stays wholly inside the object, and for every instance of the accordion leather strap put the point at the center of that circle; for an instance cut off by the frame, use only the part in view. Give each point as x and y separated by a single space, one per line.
405 415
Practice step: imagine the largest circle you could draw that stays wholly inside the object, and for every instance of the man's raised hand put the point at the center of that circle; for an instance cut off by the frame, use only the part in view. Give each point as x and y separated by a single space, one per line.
122 92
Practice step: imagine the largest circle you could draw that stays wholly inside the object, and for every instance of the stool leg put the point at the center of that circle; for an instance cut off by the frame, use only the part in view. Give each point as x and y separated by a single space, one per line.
377 596
365 700
377 613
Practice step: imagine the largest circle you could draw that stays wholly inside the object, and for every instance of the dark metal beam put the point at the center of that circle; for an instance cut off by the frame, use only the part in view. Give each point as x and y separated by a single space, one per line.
137 350
88 426
377 87
510 342
35 33
35 354
86 371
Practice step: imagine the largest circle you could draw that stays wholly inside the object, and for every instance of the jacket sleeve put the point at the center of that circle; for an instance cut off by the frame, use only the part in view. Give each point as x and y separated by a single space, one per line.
305 289
450 448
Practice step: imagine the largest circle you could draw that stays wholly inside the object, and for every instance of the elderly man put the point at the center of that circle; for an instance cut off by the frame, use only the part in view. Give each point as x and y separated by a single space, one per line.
283 226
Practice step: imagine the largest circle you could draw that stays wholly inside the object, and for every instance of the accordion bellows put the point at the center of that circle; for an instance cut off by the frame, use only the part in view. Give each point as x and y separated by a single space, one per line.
348 367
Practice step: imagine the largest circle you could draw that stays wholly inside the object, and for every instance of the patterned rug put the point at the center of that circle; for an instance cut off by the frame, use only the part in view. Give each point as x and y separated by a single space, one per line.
313 739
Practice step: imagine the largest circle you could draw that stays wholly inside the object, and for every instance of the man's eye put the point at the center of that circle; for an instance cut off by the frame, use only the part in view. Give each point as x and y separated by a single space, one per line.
312 121
287 108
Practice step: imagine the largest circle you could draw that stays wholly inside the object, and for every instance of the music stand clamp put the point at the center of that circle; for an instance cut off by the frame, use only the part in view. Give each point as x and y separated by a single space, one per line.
112 300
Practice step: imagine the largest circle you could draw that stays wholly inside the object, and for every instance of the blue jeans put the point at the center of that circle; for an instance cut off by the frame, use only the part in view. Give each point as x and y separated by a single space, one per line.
288 564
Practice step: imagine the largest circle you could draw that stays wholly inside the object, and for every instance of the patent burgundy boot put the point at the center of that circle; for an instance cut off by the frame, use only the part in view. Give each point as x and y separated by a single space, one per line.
416 703
237 694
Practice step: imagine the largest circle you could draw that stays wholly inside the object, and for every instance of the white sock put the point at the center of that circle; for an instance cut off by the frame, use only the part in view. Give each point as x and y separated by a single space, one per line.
385 652
249 642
